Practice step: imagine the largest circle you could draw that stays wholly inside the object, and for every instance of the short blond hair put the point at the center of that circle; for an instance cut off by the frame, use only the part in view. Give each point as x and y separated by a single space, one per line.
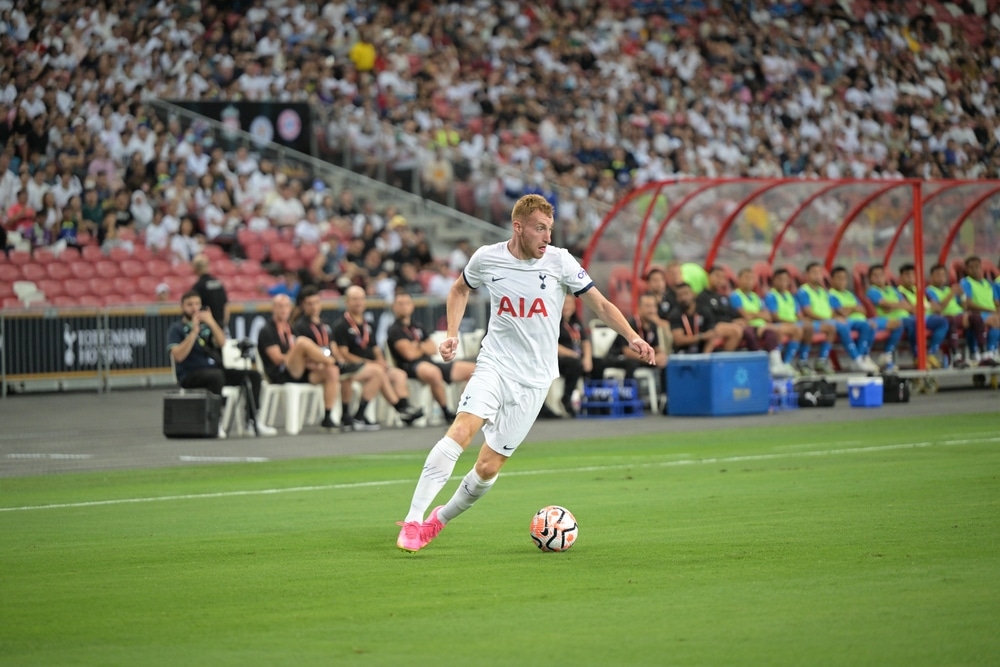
527 205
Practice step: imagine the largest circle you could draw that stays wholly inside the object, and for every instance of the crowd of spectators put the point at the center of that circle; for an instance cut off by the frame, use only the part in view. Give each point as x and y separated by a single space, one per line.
575 99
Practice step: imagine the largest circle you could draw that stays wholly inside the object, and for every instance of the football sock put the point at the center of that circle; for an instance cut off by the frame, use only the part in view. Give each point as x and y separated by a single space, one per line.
402 404
824 349
938 334
345 411
362 406
437 471
804 350
468 492
893 340
790 351
992 339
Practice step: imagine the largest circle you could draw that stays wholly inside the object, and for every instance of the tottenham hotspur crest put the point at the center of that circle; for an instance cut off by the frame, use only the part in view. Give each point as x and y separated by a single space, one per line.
542 277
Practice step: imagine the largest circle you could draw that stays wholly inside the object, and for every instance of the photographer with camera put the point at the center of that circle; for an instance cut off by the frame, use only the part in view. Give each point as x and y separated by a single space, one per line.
195 344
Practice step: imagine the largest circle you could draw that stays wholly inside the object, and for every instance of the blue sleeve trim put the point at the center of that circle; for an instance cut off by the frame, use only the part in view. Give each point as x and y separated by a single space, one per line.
467 280
587 288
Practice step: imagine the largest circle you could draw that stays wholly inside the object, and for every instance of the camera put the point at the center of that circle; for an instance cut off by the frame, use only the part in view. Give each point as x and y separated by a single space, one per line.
245 346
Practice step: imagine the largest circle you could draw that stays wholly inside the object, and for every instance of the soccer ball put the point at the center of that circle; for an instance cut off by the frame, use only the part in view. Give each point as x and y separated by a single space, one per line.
554 528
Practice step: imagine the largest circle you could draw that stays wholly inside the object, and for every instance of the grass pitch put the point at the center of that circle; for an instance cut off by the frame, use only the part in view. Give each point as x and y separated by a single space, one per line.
871 543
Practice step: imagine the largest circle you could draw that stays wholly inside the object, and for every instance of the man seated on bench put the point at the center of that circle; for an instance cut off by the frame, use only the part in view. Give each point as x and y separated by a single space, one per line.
692 328
413 352
814 300
946 301
621 355
291 358
751 308
936 324
195 344
845 304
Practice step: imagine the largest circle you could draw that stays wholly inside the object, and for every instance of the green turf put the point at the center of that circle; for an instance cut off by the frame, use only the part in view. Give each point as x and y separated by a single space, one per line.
770 546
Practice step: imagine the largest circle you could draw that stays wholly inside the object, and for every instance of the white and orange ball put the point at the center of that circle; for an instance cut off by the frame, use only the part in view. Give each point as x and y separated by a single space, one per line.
554 528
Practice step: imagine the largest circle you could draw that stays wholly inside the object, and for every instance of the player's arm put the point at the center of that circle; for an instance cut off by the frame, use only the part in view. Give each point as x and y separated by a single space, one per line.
588 355
610 315
805 305
936 304
458 299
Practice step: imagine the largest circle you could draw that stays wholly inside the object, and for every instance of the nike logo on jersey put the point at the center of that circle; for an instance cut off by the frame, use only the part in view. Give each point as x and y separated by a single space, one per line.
507 448
496 279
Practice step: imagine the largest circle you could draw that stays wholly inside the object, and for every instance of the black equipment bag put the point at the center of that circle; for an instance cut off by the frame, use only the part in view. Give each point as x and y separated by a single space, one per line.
191 413
816 393
895 389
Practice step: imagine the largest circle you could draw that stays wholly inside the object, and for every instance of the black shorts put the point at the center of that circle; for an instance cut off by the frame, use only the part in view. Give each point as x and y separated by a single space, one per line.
411 368
349 368
282 376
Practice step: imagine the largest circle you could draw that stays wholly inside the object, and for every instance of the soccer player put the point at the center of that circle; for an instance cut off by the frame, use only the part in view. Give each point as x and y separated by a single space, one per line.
751 308
814 300
785 310
935 323
412 350
527 281
980 298
846 306
946 300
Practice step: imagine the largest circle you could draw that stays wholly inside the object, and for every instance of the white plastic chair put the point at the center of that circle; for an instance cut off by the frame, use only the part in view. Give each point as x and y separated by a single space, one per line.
302 402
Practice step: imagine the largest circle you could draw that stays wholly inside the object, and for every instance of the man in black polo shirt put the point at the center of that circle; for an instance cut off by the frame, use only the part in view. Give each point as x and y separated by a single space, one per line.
211 290
412 350
692 327
729 324
656 284
648 326
310 325
575 355
195 344
356 339
290 358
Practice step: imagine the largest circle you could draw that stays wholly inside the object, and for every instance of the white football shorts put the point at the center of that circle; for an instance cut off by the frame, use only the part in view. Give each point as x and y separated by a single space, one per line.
508 407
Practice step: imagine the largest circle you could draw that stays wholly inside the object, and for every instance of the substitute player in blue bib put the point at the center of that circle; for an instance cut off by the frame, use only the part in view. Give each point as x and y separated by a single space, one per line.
527 280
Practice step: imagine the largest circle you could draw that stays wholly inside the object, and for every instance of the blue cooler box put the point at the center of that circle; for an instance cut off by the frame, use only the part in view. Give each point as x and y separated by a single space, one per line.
865 392
724 383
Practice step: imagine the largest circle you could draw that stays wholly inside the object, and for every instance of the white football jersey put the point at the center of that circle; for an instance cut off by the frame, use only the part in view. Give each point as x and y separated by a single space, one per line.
526 298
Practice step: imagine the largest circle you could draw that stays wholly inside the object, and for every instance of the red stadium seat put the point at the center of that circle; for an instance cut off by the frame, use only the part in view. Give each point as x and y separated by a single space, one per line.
159 268
52 288
99 286
249 267
76 288
132 268
307 252
82 269
19 257
45 256
92 253
119 254
255 250
147 284
63 301
223 268
6 290
10 273
34 272
58 270
107 269
125 286
179 284
12 303
215 252
142 253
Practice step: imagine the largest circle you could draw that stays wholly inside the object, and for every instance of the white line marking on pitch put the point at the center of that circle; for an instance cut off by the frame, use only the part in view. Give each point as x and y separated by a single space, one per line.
223 459
519 473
